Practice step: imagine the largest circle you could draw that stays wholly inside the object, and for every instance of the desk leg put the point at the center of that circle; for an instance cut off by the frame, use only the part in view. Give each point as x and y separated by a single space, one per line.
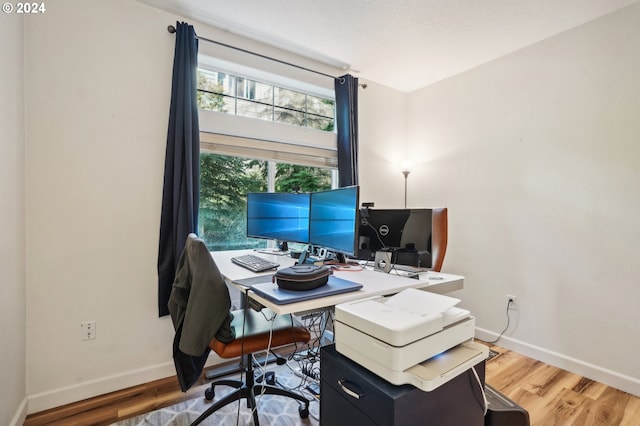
326 327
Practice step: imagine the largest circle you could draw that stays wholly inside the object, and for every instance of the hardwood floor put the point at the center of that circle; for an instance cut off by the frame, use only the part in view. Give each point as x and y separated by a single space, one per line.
556 397
551 396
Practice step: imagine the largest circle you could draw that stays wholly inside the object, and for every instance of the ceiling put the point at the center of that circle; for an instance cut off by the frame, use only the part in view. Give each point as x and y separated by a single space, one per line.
403 44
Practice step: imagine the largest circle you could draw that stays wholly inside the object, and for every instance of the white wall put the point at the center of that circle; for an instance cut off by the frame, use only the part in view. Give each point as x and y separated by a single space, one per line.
382 144
98 77
98 85
537 156
12 242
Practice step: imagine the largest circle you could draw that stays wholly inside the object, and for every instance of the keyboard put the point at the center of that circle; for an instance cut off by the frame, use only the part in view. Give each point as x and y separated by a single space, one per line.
254 263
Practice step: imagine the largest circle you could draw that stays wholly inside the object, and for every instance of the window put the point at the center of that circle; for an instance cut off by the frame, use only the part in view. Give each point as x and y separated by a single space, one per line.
257 136
222 92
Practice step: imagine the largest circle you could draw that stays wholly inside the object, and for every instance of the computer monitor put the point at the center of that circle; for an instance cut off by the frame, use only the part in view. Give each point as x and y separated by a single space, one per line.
333 220
278 216
381 229
404 232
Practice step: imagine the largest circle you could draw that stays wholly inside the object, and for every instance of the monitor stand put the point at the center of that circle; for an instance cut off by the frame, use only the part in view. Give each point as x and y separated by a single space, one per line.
341 258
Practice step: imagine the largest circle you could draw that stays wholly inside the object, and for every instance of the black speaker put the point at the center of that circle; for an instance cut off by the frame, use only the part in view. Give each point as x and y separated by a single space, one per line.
502 411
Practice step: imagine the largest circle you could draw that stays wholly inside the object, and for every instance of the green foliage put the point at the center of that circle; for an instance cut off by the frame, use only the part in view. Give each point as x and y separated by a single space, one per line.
290 178
224 183
295 178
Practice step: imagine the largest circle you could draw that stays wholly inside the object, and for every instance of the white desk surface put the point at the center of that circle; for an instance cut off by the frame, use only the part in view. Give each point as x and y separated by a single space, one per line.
374 283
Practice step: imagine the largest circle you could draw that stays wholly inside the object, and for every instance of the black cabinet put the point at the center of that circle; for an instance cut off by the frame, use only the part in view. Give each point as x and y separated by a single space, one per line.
352 395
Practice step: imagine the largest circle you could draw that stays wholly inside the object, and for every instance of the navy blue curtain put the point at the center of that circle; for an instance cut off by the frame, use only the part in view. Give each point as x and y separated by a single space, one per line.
180 196
347 126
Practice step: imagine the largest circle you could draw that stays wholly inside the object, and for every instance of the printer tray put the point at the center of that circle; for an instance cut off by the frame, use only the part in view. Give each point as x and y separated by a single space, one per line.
430 374
441 368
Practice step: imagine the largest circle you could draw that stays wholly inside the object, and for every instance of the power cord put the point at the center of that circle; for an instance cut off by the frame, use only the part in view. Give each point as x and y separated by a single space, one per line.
266 360
509 303
311 370
251 359
306 372
484 395
370 225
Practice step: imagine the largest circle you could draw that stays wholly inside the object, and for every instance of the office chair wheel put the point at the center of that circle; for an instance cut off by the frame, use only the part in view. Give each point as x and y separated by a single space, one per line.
304 411
209 394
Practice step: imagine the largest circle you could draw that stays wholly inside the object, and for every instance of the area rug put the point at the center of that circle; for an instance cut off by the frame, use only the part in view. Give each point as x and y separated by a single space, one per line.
272 410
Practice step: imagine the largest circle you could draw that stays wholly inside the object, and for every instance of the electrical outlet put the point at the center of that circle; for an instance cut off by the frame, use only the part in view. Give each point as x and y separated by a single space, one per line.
88 330
511 301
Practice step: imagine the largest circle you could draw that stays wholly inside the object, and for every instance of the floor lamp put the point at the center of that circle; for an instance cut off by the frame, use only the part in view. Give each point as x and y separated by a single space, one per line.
405 172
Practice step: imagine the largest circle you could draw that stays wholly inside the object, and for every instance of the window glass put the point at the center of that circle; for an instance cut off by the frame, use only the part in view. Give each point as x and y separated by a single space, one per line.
289 116
290 99
252 90
320 123
218 91
254 110
224 183
320 107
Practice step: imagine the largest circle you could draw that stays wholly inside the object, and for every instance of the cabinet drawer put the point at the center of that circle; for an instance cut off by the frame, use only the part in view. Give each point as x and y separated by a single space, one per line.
336 410
364 390
457 402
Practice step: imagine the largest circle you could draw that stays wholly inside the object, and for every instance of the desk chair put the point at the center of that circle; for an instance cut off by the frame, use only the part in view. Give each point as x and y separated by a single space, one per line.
258 333
199 307
439 234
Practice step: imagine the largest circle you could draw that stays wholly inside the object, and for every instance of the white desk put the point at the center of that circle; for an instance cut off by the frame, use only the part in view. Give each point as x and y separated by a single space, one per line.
233 272
374 283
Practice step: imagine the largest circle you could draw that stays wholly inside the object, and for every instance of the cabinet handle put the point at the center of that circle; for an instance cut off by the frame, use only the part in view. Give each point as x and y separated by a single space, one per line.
355 394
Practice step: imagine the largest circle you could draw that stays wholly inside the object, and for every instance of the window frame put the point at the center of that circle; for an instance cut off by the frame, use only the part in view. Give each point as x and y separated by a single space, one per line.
272 141
237 135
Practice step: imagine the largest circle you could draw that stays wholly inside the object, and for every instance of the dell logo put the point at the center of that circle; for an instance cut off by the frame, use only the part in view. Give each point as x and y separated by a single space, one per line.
384 230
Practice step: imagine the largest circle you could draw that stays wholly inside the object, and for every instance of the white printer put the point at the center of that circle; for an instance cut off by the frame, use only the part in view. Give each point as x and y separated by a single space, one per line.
414 337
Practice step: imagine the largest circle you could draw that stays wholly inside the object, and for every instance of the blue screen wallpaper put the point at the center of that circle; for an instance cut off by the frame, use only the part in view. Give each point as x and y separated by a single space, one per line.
278 216
333 219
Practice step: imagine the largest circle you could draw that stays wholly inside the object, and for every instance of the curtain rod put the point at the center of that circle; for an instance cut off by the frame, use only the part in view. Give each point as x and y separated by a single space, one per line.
172 30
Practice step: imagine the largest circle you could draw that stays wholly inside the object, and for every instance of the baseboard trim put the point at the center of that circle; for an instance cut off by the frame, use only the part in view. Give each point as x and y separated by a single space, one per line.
608 377
103 385
21 414
88 389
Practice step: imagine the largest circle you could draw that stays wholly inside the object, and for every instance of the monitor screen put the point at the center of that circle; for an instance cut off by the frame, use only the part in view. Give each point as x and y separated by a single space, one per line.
278 216
333 220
